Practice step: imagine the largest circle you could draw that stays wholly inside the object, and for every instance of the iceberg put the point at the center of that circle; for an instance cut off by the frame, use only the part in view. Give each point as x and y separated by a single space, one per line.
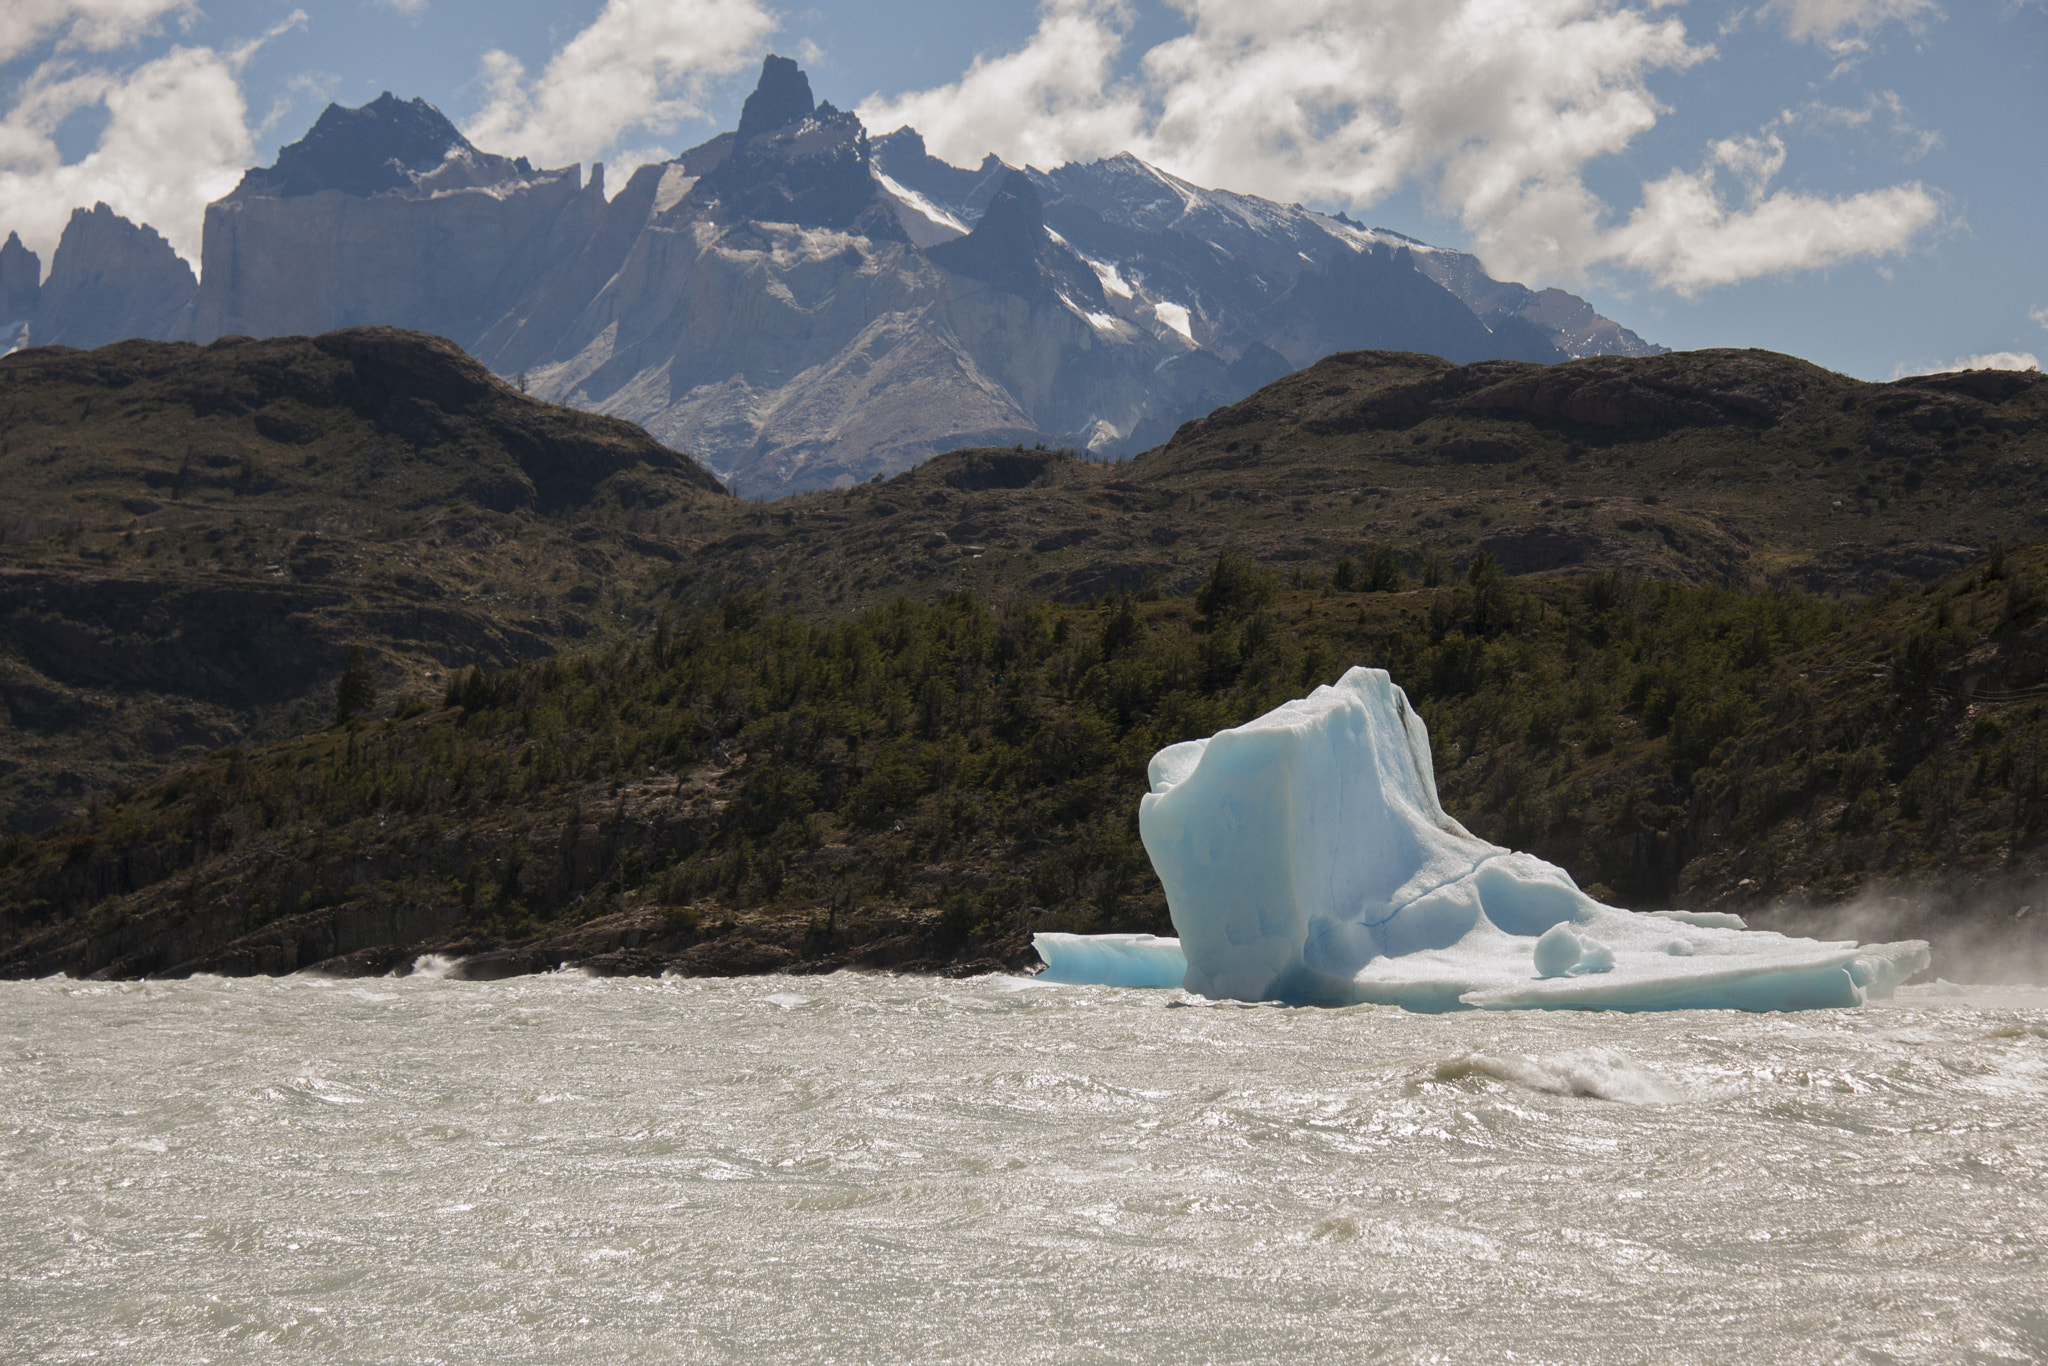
1307 859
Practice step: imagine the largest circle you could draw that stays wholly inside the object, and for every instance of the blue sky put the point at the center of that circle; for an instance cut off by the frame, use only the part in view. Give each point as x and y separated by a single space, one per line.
1860 182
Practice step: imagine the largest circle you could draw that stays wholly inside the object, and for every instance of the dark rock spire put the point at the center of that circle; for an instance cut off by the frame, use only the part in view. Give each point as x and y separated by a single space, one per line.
21 281
1010 249
783 97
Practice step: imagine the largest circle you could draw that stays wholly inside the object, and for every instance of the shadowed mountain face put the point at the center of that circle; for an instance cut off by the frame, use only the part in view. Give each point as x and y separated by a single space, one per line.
1010 250
21 277
805 307
110 279
783 97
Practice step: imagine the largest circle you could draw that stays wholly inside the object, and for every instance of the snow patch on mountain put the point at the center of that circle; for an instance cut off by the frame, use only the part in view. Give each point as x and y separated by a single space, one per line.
1174 316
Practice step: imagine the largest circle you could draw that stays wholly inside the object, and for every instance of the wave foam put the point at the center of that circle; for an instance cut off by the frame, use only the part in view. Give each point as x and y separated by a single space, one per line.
1601 1073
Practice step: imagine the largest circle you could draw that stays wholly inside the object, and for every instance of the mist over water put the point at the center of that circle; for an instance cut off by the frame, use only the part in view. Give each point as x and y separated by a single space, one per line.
1994 932
873 1169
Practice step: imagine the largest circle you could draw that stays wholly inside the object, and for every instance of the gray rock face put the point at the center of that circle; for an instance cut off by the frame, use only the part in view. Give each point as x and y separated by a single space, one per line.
385 214
803 306
21 282
111 279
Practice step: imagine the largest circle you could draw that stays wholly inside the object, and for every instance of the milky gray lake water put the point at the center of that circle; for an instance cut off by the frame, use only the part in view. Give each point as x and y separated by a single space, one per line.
875 1169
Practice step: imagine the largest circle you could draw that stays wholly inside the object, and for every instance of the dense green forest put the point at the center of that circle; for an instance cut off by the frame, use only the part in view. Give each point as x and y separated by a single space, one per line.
735 787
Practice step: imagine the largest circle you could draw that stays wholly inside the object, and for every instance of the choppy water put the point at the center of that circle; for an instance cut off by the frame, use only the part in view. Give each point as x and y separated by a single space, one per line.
861 1169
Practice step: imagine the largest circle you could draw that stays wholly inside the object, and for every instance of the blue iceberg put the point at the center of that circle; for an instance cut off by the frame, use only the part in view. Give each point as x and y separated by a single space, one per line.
1111 960
1307 859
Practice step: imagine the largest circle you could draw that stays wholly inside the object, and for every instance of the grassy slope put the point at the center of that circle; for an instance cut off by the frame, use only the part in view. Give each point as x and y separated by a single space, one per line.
926 783
194 536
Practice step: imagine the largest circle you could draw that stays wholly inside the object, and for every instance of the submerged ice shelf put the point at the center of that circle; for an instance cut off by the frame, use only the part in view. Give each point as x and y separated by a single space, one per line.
1111 960
1306 858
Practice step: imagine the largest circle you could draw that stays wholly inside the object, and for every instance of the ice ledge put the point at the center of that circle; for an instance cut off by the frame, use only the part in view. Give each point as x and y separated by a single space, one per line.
1110 960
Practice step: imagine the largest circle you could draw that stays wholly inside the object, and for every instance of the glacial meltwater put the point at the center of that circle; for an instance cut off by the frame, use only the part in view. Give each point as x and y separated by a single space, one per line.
871 1169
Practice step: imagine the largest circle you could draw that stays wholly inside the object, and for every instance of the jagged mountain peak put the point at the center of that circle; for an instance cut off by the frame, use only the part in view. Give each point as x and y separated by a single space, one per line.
110 278
803 305
1014 220
794 161
385 145
782 97
1011 249
21 278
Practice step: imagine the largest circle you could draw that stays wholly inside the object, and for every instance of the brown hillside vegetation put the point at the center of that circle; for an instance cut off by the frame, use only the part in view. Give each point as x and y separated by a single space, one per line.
1741 468
1712 629
194 536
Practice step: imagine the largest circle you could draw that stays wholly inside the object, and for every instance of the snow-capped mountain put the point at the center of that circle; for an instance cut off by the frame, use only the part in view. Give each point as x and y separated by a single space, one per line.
802 306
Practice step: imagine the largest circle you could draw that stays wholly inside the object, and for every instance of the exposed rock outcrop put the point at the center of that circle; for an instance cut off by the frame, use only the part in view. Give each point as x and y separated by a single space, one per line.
21 281
111 279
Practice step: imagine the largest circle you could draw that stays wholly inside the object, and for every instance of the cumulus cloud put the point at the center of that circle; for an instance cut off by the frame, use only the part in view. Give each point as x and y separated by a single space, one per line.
641 64
90 25
177 135
1685 236
2039 315
1845 26
1054 100
1495 107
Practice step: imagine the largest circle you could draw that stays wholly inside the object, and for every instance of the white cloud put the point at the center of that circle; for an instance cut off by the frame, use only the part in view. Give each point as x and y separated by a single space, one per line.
409 8
1052 101
177 135
1685 237
1755 161
1916 142
2039 315
1994 360
91 25
1495 107
640 64
1845 26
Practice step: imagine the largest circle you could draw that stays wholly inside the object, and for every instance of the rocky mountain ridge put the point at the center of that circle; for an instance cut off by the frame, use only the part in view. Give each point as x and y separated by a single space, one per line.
804 306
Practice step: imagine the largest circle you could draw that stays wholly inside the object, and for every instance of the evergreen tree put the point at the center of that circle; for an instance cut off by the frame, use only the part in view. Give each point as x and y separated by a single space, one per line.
1383 571
356 692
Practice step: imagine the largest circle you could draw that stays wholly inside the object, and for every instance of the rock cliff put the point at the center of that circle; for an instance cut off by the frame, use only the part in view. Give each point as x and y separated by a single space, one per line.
111 279
21 281
385 214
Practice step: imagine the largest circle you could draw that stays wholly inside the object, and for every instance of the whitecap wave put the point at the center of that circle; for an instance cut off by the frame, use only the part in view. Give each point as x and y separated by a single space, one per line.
1601 1073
